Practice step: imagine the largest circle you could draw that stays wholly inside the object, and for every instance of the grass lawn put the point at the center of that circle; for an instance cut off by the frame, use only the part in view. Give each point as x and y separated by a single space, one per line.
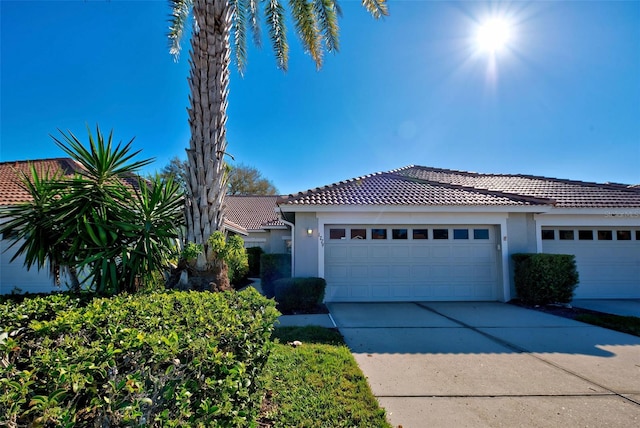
629 325
317 384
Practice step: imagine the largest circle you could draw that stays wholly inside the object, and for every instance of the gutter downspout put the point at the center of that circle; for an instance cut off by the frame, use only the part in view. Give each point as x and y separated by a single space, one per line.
293 243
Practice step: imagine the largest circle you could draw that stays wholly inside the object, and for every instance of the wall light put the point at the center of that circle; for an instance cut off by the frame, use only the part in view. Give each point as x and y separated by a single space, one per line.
309 232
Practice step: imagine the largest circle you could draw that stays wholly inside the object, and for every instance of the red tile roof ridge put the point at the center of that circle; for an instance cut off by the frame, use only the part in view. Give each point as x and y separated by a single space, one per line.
338 184
514 196
607 185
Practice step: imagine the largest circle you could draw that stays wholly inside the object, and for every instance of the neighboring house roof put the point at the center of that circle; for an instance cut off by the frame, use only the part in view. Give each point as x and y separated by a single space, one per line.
11 174
11 188
417 185
253 212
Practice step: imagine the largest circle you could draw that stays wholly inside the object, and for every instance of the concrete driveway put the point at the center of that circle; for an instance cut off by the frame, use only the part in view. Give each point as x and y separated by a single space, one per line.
491 364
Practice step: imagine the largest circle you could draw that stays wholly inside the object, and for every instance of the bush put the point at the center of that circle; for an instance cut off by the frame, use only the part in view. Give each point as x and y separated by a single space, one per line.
272 268
299 294
254 254
159 359
545 278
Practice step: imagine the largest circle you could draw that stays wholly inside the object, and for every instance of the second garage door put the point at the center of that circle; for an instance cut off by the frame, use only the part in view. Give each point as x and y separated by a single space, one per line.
411 263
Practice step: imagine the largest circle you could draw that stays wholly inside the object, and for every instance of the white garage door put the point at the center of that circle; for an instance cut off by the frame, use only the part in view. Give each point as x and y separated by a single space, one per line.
410 263
608 259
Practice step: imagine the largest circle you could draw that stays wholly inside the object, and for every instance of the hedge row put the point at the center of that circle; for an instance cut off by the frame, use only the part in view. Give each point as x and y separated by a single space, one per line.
166 359
545 278
299 294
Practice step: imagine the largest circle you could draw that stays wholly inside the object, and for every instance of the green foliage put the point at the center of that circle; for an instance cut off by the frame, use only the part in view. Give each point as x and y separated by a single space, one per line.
106 222
247 180
272 268
231 250
161 359
253 255
545 278
191 251
299 294
317 384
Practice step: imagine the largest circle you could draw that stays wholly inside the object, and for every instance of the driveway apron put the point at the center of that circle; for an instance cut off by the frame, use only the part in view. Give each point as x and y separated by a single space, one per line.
450 364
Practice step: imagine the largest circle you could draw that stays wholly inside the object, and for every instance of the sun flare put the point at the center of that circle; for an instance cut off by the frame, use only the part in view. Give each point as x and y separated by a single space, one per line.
494 35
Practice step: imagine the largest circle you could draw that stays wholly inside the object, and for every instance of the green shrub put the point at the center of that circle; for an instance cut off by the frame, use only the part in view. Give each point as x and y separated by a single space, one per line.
254 254
160 359
272 268
299 294
545 278
232 251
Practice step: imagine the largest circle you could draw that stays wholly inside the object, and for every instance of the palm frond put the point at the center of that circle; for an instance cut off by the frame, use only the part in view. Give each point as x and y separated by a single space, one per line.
327 16
180 12
254 21
307 28
239 8
377 8
274 13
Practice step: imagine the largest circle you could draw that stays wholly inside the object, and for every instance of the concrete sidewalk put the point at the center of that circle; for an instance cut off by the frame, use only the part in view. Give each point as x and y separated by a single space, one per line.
491 364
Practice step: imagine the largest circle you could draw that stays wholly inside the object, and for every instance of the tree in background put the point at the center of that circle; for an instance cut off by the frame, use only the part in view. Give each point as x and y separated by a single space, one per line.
175 170
214 23
247 180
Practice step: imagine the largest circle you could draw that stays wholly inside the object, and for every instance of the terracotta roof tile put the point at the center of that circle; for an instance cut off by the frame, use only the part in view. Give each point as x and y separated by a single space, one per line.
389 188
253 212
11 190
11 173
565 193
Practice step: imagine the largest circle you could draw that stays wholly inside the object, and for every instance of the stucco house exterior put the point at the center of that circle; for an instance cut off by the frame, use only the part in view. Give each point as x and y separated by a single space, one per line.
421 233
259 217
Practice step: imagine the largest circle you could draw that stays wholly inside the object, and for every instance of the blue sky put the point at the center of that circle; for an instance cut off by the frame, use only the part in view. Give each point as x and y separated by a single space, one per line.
563 100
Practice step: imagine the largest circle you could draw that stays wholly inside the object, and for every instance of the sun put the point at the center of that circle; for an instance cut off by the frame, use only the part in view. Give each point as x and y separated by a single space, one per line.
494 35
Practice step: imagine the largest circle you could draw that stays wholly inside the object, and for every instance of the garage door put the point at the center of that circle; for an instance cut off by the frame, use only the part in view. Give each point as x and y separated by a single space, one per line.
410 263
608 259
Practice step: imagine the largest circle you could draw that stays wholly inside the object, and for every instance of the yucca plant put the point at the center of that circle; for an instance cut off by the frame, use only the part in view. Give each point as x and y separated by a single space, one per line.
105 221
215 23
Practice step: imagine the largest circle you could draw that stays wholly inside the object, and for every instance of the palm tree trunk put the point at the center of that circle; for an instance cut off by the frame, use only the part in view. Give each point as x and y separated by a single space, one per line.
209 84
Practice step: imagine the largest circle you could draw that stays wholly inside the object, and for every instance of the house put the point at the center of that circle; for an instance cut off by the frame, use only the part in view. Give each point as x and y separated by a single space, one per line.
258 216
420 233
13 275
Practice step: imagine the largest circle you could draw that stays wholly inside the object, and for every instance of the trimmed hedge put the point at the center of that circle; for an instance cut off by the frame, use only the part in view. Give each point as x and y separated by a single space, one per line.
541 279
254 253
272 268
166 359
299 294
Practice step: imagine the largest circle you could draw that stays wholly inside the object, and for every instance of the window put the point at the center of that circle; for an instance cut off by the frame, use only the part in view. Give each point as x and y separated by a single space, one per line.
548 235
337 234
358 233
399 234
480 233
637 235
585 235
460 233
566 235
623 235
440 233
378 233
605 235
420 233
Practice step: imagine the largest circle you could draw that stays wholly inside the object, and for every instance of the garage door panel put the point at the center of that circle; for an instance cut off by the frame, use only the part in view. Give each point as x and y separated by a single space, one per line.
606 268
387 270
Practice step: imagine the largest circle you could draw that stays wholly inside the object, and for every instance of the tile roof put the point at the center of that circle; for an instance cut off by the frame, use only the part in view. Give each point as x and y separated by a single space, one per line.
417 185
11 190
11 173
565 193
253 212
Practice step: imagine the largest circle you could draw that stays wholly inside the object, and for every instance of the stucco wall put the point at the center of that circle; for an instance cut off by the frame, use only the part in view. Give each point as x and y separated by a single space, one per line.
14 277
521 232
306 258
